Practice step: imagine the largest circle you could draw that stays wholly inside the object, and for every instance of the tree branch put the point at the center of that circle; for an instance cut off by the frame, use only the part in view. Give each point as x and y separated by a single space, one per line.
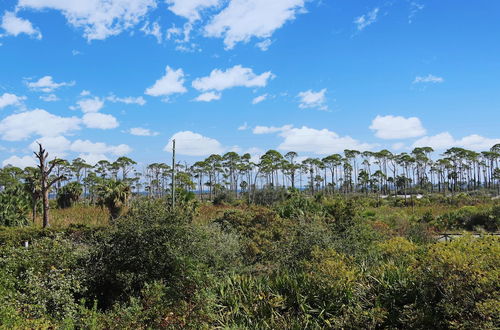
51 183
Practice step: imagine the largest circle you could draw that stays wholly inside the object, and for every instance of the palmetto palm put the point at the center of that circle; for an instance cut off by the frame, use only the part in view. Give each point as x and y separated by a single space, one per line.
114 195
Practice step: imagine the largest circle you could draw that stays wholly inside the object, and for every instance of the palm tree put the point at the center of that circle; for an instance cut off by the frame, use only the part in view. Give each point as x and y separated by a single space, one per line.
114 195
69 194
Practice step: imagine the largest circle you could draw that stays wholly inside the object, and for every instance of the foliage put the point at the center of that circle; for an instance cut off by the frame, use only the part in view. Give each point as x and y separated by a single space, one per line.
69 194
14 207
114 196
471 218
323 262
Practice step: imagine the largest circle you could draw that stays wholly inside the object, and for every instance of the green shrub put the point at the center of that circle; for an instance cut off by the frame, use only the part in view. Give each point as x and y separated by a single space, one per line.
15 207
45 279
470 218
458 284
69 194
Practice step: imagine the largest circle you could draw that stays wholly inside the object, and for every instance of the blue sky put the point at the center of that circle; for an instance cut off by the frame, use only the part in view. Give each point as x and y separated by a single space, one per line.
102 79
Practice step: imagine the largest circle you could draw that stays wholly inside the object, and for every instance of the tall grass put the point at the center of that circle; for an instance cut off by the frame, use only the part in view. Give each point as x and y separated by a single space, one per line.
77 215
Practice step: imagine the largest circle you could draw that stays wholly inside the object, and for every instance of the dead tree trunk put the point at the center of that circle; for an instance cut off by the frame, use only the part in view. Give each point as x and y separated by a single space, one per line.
45 184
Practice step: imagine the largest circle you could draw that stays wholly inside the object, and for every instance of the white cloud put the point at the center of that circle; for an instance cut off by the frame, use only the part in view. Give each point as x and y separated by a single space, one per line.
10 99
99 120
208 97
92 159
139 131
260 98
397 127
49 98
320 142
47 85
153 30
264 45
127 100
85 93
90 105
171 83
271 129
428 79
364 20
56 146
182 36
91 152
194 144
99 19
243 127
313 100
15 26
190 9
86 146
398 146
236 76
415 7
243 19
445 140
22 125
21 162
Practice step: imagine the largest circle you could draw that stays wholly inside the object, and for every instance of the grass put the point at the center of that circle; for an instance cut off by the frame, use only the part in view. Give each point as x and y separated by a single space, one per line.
77 215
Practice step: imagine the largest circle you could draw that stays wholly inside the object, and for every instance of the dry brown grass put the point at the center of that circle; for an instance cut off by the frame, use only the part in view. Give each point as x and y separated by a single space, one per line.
207 211
77 215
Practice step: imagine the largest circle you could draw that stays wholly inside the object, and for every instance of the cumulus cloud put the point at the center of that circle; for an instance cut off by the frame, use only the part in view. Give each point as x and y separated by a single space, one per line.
190 9
99 19
92 159
153 30
171 83
193 144
260 98
8 99
271 129
47 85
397 127
127 100
49 98
56 146
398 146
313 100
445 140
99 120
208 97
89 147
90 105
243 19
22 125
139 131
15 26
428 79
91 152
21 162
306 139
320 142
237 76
367 19
264 45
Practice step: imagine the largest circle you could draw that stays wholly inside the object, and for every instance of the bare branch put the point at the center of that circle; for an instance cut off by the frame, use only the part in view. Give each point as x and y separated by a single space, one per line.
51 183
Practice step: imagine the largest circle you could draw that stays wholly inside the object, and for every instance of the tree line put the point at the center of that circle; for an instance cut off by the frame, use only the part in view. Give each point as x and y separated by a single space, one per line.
353 171
381 172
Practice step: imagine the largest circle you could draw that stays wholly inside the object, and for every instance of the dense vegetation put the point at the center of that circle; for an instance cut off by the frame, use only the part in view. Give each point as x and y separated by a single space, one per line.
267 255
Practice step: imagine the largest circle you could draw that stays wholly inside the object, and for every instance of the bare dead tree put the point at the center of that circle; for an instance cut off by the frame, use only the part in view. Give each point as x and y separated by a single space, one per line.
45 184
